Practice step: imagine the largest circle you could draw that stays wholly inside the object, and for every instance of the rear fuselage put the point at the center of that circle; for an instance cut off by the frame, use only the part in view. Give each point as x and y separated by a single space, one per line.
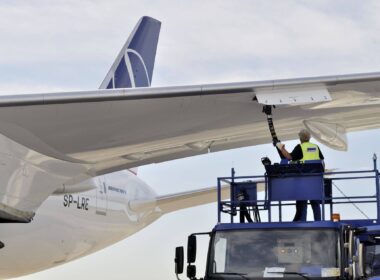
71 225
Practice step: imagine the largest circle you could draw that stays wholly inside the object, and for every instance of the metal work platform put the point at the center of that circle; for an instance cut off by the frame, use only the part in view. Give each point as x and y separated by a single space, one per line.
283 184
265 244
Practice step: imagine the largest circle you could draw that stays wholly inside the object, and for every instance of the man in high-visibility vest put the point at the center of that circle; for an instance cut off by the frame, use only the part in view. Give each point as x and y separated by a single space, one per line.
302 152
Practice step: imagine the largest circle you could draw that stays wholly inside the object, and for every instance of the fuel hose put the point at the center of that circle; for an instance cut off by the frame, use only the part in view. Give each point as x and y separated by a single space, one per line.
267 110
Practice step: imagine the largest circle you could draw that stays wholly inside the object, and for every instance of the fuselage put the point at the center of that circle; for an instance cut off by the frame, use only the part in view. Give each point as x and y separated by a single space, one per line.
71 225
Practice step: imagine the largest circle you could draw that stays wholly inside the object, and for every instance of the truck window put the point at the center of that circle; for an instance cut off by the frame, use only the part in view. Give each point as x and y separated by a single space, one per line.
372 260
220 254
270 254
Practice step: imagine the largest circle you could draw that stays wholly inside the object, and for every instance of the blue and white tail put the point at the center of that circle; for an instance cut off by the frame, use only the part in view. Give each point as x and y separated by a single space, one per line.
134 65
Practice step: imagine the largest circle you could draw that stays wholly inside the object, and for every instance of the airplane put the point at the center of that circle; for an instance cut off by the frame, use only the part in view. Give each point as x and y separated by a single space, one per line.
69 182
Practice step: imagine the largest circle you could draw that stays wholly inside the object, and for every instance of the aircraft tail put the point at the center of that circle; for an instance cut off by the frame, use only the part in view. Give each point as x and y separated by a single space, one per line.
134 65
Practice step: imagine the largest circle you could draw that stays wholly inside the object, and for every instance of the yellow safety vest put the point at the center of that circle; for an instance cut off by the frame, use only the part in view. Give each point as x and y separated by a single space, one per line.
310 151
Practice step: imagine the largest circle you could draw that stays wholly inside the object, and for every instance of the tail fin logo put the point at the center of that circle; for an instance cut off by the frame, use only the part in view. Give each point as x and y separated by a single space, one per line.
128 64
133 67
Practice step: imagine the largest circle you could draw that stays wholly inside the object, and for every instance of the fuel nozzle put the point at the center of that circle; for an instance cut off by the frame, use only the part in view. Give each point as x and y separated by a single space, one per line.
267 109
266 161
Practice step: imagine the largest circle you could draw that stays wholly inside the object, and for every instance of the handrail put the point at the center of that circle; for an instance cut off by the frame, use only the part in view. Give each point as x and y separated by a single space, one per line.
266 204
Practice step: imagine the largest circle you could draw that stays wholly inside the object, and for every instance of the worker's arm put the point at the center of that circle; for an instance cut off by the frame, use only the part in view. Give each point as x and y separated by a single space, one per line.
322 158
284 152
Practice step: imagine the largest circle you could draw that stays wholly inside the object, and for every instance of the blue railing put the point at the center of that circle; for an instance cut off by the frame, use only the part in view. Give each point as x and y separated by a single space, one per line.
286 186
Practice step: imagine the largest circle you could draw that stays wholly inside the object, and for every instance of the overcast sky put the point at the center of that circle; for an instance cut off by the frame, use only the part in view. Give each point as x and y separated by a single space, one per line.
49 46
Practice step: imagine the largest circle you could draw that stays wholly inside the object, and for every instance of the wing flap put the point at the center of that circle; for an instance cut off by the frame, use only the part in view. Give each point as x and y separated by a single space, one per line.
295 95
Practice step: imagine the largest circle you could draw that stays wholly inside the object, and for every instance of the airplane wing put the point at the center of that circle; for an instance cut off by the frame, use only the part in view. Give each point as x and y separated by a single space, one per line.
110 130
66 137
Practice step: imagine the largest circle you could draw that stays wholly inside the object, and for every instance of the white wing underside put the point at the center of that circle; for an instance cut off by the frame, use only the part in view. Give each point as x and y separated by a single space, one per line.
77 135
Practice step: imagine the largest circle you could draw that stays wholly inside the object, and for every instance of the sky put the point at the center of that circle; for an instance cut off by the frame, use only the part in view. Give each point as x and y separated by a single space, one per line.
50 46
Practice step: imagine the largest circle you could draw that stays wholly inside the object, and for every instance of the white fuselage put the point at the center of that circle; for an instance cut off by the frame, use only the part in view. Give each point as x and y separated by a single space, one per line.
71 225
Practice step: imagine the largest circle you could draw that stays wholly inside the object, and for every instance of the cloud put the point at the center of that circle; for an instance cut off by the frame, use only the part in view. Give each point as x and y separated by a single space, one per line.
258 38
73 43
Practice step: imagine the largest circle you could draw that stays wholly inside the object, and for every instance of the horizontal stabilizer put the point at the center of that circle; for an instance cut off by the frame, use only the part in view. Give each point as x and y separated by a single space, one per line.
174 202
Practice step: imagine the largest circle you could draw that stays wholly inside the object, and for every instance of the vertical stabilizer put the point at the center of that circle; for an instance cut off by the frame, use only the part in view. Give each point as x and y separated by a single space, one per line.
134 65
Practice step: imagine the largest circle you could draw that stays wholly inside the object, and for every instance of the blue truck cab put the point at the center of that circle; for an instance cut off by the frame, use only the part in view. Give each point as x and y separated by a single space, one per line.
266 246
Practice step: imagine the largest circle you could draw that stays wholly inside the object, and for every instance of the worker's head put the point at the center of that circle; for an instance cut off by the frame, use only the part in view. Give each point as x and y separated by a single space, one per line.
304 135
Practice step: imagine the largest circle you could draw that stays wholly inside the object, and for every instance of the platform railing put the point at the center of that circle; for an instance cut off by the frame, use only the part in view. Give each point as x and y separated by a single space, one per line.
232 207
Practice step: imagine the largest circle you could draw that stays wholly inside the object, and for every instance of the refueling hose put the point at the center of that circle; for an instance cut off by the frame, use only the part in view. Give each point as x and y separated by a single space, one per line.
267 110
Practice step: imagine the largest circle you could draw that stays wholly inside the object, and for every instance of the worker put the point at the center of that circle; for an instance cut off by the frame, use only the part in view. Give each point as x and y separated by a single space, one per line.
303 152
244 211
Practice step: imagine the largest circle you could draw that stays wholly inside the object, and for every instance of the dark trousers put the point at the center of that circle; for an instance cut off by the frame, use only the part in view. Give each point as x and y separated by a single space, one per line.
316 209
244 213
301 210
